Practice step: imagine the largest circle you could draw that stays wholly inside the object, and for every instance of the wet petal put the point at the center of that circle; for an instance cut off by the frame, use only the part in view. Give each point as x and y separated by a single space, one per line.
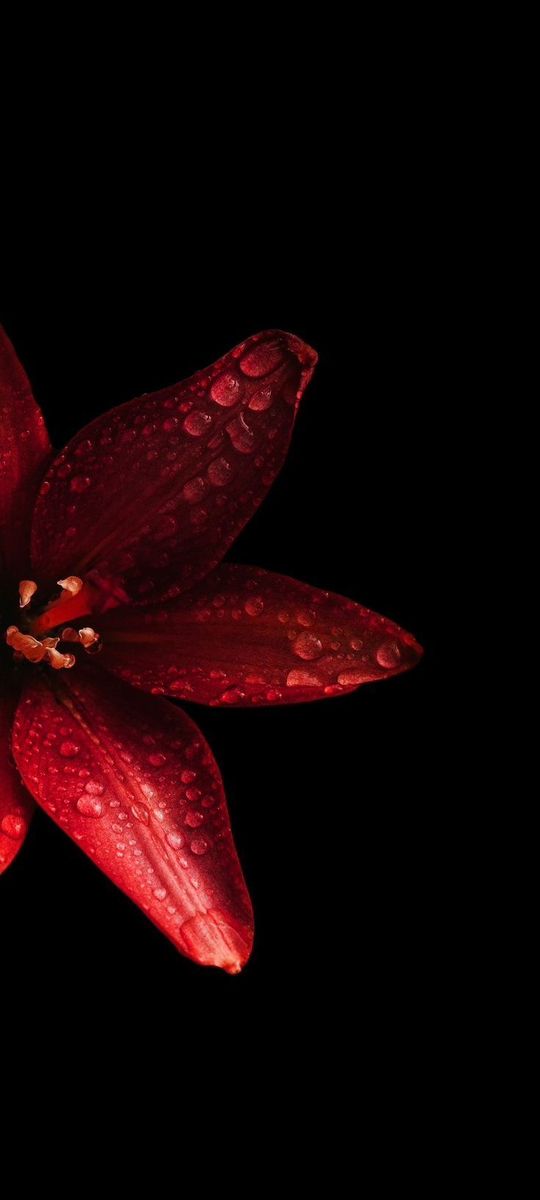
248 636
24 451
16 805
131 779
152 494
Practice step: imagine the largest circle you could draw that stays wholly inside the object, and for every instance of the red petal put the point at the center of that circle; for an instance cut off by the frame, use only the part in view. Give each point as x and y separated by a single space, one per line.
24 448
133 781
152 494
247 636
16 806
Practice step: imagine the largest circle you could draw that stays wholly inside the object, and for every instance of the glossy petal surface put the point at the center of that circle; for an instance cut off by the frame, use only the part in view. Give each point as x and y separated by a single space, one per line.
131 779
248 636
24 450
16 805
152 494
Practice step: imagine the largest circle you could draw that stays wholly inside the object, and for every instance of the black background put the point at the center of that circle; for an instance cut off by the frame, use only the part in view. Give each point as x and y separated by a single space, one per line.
334 806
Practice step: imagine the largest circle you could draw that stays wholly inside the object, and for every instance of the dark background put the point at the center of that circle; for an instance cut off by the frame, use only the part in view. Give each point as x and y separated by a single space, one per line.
335 806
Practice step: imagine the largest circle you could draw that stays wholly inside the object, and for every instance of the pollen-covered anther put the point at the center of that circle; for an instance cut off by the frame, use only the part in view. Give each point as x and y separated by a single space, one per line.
88 636
27 589
25 644
58 661
71 583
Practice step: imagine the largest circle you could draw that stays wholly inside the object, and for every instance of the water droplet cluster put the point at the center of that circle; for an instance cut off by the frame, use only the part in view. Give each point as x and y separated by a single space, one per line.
251 637
162 485
137 788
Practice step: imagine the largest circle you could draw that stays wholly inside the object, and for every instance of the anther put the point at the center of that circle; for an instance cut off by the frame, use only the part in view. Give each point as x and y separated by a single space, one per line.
71 583
27 589
58 660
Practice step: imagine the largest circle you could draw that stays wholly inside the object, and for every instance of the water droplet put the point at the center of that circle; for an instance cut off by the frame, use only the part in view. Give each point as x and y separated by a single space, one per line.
231 696
254 605
225 389
262 399
188 776
305 618
93 787
242 437
220 472
69 749
13 825
260 360
169 424
175 840
197 423
192 794
140 812
307 646
388 655
351 678
80 483
194 818
356 643
302 679
90 806
156 760
199 845
194 489
160 893
283 617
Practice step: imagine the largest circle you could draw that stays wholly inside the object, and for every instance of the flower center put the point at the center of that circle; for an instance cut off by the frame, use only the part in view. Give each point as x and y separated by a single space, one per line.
74 601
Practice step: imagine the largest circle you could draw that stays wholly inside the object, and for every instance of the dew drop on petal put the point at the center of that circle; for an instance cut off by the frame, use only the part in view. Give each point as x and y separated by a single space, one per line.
140 812
261 360
194 489
13 826
69 749
225 389
261 399
197 423
90 806
94 788
188 776
302 679
160 893
175 840
199 845
220 472
80 483
254 606
388 655
351 678
194 818
156 760
307 646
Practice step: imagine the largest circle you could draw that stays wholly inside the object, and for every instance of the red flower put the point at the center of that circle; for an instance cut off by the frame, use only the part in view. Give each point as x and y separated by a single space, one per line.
118 551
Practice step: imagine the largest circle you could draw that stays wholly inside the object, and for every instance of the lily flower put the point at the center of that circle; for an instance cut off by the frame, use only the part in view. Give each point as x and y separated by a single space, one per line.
114 596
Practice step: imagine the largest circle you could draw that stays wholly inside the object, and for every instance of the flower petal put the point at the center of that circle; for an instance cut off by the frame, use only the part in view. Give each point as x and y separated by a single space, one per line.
16 806
248 636
24 449
152 494
133 781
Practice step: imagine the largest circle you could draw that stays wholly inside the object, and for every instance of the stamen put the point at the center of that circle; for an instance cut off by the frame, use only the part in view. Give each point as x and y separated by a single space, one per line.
33 650
71 583
58 660
27 589
88 636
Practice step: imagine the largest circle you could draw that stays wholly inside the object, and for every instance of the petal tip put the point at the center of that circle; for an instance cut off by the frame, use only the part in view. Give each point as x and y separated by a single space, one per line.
214 940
